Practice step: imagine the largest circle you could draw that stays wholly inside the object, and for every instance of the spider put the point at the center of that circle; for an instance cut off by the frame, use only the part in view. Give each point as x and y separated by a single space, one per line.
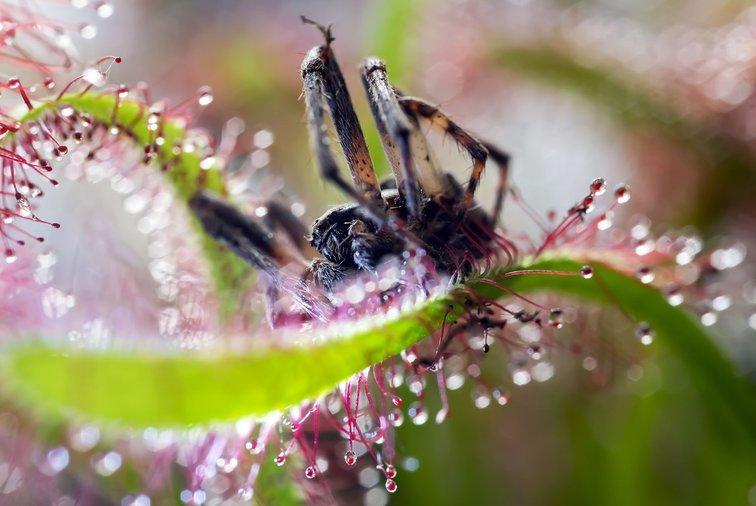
419 207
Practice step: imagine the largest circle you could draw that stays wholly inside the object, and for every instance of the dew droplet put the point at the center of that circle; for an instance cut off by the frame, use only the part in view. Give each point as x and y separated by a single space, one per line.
396 417
417 413
556 317
48 83
10 256
310 472
586 271
263 139
84 438
14 82
254 447
645 275
644 246
397 401
535 351
123 91
501 397
205 96
674 296
280 459
199 497
481 398
207 163
350 458
590 363
246 493
752 321
104 10
56 460
708 318
93 76
63 149
622 194
598 186
605 221
721 302
416 384
389 471
645 333
727 258
24 208
88 31
391 486
521 377
107 464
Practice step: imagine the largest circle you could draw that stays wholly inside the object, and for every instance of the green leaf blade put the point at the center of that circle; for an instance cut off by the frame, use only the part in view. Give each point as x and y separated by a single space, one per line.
181 390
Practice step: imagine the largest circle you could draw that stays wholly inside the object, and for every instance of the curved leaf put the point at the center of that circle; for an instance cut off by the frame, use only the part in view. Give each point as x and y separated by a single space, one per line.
230 274
179 390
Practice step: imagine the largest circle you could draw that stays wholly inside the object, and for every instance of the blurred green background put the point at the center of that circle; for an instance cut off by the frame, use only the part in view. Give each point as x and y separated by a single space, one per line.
658 94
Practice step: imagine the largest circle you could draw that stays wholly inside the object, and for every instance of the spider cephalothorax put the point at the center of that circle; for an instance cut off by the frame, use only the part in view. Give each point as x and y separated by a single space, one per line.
420 207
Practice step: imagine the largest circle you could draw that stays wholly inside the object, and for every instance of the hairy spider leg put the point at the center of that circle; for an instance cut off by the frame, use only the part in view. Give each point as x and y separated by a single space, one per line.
395 131
253 243
322 59
475 148
250 241
279 218
320 76
501 159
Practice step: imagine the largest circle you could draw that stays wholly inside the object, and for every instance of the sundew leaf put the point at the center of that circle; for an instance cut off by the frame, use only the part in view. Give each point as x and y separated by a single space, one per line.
230 274
181 390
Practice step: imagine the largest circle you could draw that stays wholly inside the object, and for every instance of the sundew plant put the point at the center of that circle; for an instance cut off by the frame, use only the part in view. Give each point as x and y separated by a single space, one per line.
172 331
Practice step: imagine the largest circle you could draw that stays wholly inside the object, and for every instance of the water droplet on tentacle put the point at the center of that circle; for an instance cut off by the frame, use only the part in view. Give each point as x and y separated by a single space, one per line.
280 459
350 458
586 271
417 413
556 317
645 275
396 417
674 296
622 194
501 398
391 486
645 333
205 96
24 208
598 186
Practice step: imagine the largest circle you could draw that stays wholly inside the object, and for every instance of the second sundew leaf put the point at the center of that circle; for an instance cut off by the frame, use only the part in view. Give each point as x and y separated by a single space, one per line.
183 390
230 274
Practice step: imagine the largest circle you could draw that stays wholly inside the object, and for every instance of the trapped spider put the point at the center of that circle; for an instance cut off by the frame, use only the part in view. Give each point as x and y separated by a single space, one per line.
420 207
